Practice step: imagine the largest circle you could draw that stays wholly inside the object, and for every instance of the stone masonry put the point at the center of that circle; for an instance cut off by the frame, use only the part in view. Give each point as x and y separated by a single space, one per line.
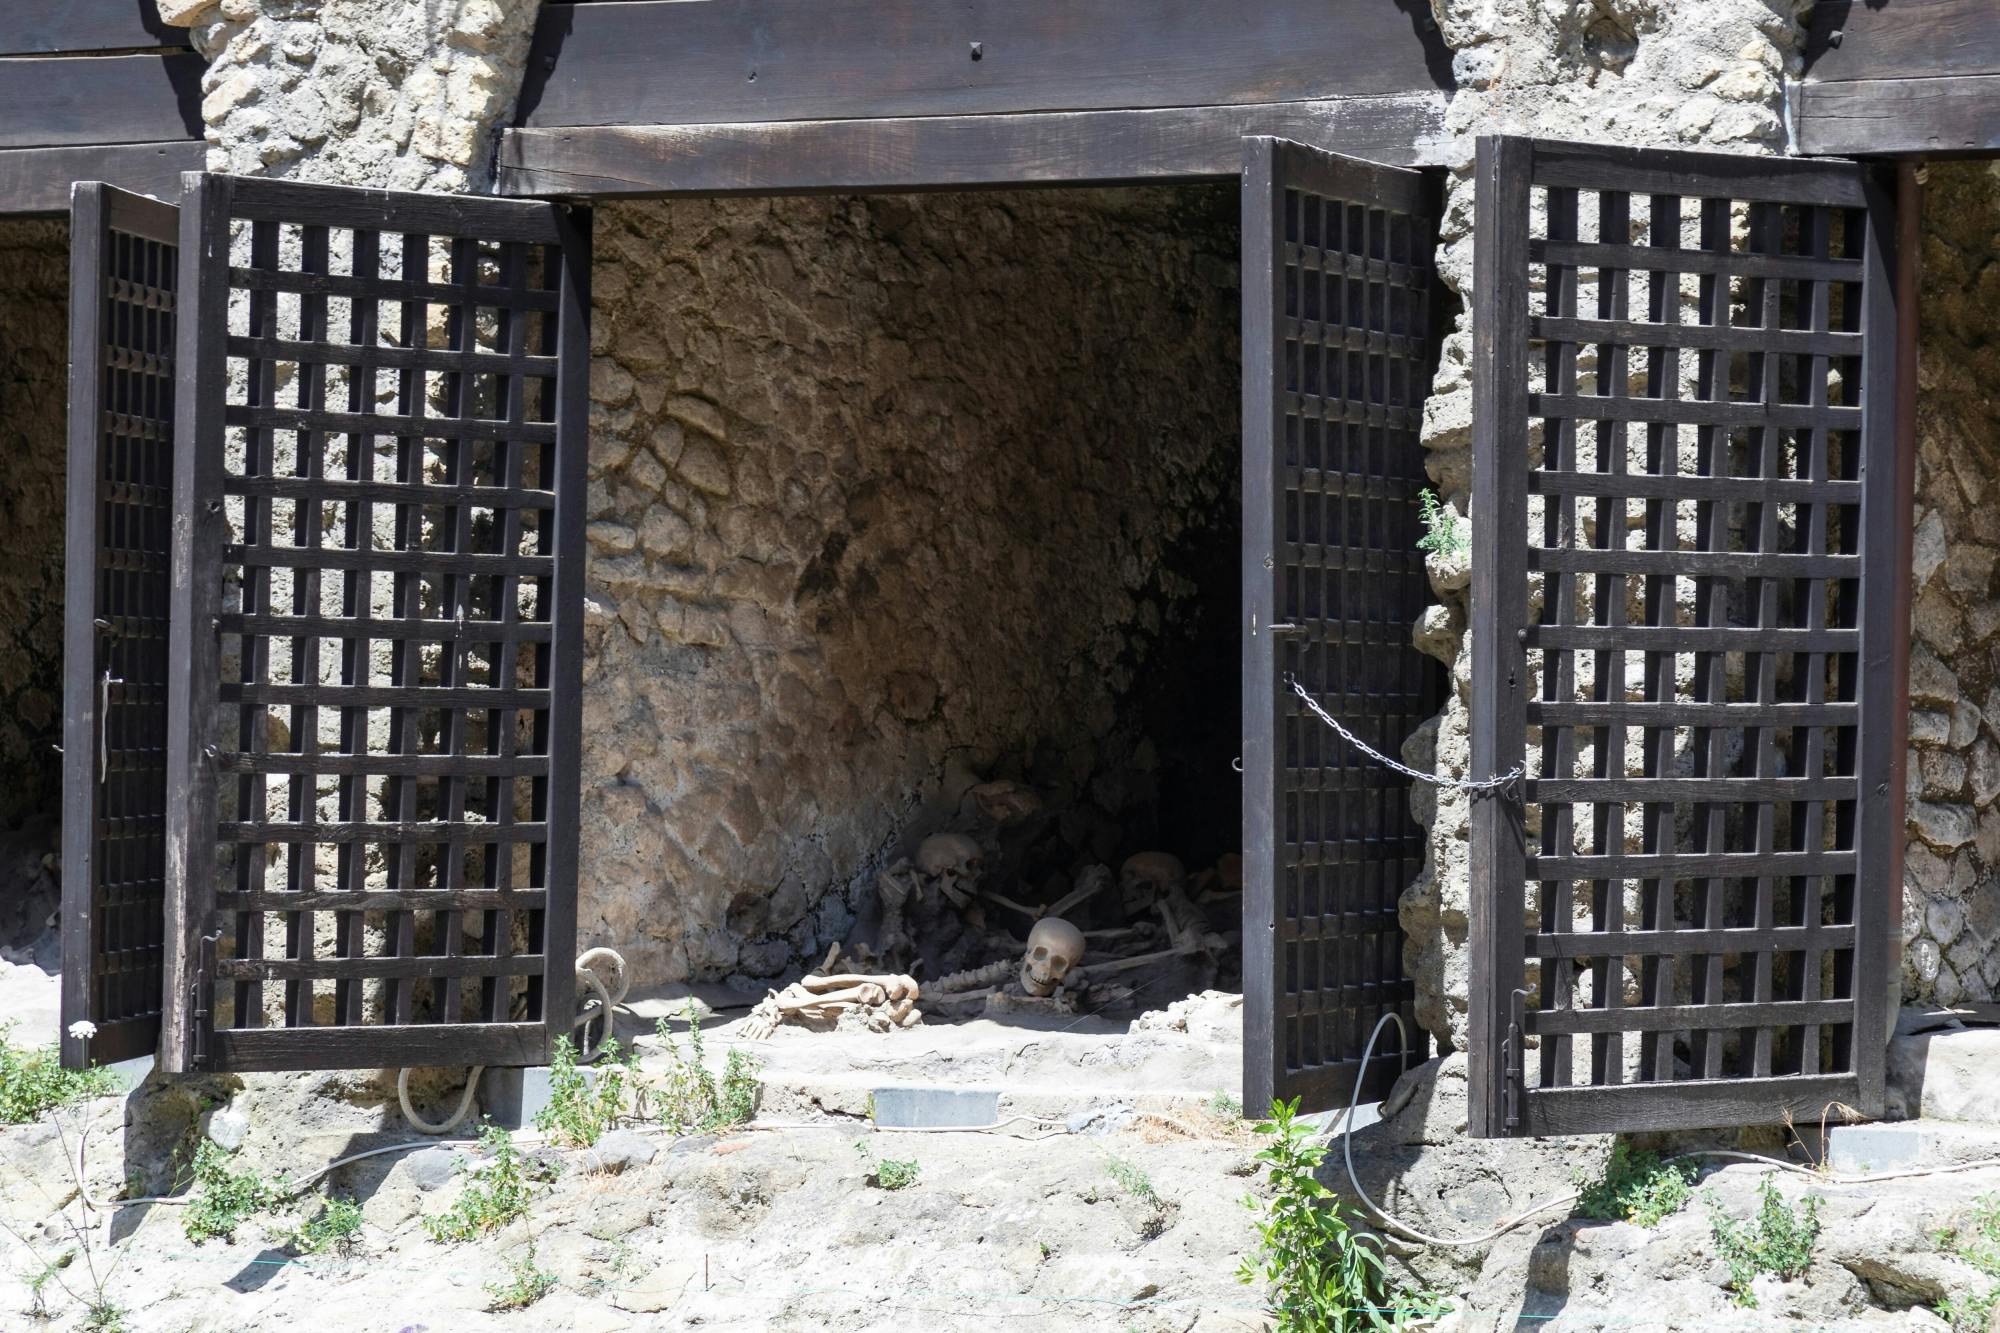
1951 888
1702 74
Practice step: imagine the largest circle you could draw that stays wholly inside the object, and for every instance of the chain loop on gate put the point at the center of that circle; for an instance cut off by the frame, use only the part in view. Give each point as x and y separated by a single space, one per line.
1507 784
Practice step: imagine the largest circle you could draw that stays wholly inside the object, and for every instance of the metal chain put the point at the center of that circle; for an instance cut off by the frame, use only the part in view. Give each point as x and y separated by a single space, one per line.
1507 782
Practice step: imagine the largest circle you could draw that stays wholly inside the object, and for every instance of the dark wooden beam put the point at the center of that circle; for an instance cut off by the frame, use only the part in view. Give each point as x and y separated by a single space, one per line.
57 100
1901 39
40 27
952 152
1900 117
680 62
37 180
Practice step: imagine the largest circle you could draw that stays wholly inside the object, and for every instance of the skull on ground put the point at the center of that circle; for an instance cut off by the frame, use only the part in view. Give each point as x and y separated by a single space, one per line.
1149 877
1054 947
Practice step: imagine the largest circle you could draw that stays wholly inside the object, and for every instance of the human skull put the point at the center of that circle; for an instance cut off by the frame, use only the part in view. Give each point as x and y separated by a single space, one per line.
1148 877
951 859
1054 947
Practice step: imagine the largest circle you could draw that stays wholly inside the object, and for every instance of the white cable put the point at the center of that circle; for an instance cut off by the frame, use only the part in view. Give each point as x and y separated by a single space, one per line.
602 1005
1397 1224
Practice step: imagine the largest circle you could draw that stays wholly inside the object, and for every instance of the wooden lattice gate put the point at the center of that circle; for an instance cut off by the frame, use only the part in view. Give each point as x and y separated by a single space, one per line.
123 267
1337 355
1685 599
372 742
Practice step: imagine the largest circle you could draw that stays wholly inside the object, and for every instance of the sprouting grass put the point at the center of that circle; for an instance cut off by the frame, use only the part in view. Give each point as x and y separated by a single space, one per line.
1131 1178
689 1099
333 1229
494 1194
1444 532
1637 1187
33 1081
888 1173
527 1282
581 1110
1777 1240
1978 1244
224 1199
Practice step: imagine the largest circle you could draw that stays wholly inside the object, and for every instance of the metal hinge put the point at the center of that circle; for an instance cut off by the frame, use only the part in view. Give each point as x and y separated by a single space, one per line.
201 1010
1513 1078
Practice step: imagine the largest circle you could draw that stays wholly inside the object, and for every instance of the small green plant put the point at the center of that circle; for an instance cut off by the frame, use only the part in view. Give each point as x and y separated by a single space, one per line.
583 1109
1444 532
1131 1178
1223 1106
1778 1240
1636 1187
494 1194
887 1173
38 1279
333 1229
690 1099
1978 1244
1324 1277
527 1282
104 1317
224 1199
33 1082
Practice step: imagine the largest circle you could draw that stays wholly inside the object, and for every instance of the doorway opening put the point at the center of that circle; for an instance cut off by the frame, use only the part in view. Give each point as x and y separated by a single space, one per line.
34 390
918 515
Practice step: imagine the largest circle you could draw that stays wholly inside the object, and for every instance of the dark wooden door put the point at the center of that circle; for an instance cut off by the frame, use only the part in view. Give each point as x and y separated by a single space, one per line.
1338 302
373 741
1686 596
123 267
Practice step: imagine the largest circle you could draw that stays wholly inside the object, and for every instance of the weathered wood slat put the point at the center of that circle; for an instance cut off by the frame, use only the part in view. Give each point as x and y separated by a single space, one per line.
1636 943
417 966
1730 337
1691 789
1585 713
1721 564
1672 259
340 490
1901 40
380 696
356 900
363 627
401 765
732 61
1886 117
951 152
1687 1104
48 101
36 27
363 1046
39 180
1688 1017
1648 486
1693 638
402 833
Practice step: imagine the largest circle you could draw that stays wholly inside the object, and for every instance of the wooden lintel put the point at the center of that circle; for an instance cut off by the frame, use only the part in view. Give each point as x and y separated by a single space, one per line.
953 152
38 180
680 62
52 101
1934 117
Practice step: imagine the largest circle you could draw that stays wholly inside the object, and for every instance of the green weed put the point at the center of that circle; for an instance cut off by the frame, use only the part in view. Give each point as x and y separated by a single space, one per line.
1444 532
1778 1240
527 1282
494 1194
1323 1276
1637 1187
333 1229
888 1173
1131 1178
224 1200
687 1097
581 1109
33 1082
1978 1244
1223 1106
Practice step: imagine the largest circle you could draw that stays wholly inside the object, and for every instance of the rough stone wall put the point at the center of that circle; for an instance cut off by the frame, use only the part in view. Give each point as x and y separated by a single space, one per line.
1951 901
1704 74
34 392
401 94
889 494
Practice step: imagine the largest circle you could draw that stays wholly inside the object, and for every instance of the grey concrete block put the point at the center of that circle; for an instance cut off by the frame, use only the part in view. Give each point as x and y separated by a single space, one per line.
1856 1149
512 1098
925 1108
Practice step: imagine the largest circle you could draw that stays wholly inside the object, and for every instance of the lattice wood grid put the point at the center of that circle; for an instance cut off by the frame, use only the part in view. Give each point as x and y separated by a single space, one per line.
123 270
1684 388
1338 357
388 449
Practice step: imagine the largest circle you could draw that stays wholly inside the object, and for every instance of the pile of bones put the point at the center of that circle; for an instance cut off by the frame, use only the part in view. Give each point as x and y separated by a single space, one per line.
951 939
